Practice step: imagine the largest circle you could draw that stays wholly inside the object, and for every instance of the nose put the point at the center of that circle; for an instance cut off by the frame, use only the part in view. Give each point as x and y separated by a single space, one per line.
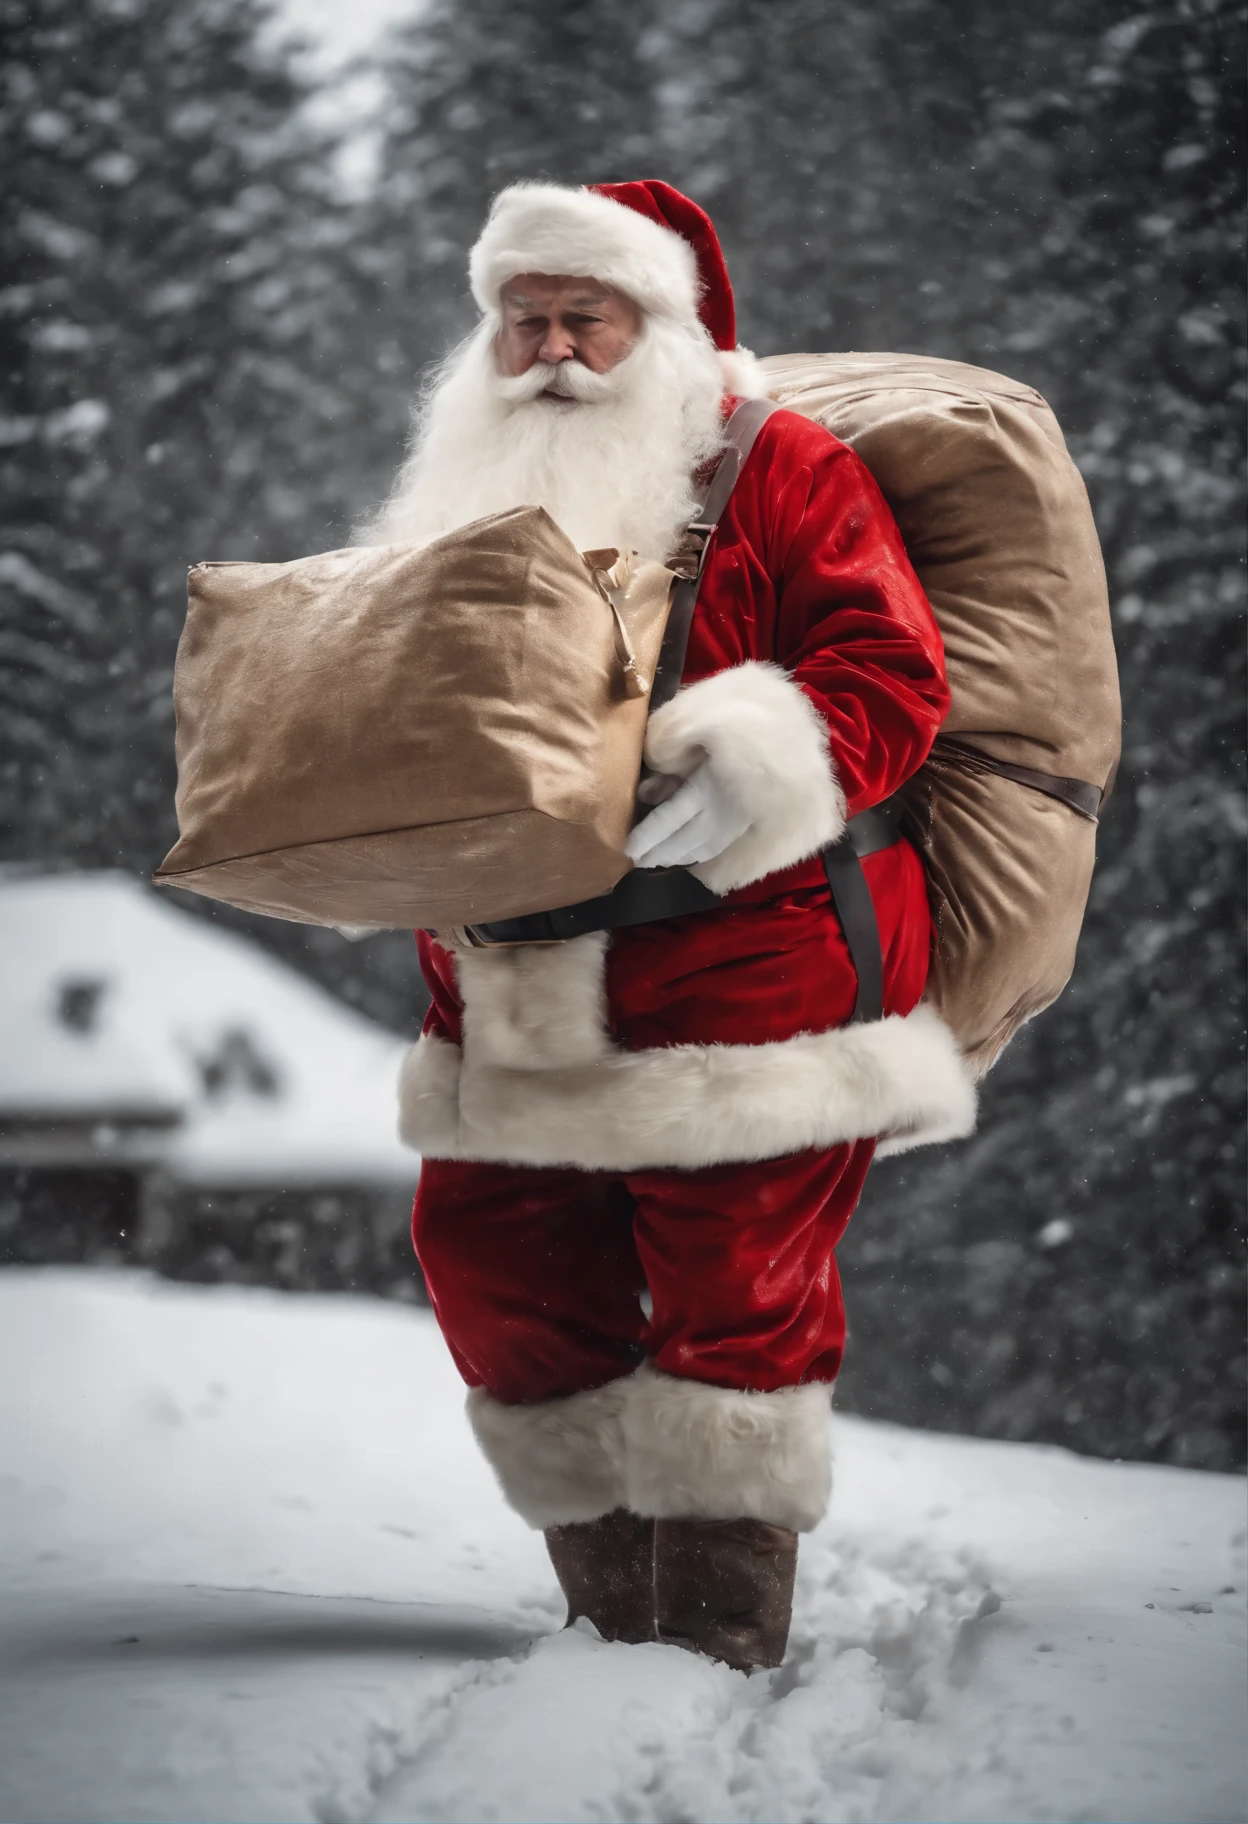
557 345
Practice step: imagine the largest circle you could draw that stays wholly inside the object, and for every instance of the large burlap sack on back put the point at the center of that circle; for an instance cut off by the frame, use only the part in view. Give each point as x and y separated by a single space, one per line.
997 524
400 736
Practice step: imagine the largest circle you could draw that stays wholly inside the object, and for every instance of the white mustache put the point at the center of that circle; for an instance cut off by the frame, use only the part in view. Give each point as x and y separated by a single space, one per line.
566 379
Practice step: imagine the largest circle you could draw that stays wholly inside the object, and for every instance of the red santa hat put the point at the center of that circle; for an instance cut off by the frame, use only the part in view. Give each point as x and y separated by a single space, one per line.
645 238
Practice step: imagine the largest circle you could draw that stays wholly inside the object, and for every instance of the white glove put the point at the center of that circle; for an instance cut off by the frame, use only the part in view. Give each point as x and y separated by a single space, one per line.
697 823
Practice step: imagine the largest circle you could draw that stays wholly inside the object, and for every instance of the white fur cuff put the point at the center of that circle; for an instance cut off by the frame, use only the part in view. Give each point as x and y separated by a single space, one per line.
665 1447
768 748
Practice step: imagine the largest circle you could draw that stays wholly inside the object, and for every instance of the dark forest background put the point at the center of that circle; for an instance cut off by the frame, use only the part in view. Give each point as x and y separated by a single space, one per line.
209 349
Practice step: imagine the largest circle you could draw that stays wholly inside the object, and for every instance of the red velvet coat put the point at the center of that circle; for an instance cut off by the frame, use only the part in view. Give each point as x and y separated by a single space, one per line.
806 572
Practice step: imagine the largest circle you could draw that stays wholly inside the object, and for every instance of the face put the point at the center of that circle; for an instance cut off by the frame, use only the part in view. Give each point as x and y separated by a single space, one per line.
551 318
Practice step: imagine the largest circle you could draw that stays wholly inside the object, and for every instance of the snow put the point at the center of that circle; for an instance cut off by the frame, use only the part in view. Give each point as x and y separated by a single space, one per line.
336 32
267 1077
252 1568
344 52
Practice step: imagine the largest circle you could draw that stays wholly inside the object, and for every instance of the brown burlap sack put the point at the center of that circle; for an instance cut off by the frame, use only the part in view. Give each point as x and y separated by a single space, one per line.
400 736
996 520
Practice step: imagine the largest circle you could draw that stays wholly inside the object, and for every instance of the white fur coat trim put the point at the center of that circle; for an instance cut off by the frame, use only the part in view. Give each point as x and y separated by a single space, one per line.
665 1447
767 746
535 227
689 1106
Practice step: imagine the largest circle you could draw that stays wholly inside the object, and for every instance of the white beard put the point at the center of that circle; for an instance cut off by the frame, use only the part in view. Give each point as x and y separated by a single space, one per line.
613 467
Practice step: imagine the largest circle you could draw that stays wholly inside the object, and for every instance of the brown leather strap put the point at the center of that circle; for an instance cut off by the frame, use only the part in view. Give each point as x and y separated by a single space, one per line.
741 430
856 911
864 835
1082 797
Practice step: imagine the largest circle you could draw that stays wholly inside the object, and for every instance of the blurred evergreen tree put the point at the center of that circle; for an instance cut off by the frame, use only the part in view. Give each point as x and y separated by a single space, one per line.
180 325
1078 1267
159 364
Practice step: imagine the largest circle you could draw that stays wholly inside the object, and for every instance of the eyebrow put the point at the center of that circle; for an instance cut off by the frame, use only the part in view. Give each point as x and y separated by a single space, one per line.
580 297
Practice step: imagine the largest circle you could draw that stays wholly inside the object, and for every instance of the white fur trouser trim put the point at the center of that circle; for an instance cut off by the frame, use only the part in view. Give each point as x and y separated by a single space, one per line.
665 1447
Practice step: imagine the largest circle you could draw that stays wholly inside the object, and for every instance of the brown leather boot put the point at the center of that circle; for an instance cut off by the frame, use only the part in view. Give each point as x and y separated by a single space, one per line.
725 1588
605 1569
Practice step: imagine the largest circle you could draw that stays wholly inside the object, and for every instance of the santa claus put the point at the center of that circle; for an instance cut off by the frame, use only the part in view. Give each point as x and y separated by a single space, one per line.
632 1258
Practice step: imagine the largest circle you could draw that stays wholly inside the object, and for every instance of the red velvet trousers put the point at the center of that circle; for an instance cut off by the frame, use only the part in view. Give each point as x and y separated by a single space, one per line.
536 1275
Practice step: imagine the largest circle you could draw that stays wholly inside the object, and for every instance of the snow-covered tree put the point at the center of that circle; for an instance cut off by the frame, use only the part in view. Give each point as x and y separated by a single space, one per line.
1076 1271
170 392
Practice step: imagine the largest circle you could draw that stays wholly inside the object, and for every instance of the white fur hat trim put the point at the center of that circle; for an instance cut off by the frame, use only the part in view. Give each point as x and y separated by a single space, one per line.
548 228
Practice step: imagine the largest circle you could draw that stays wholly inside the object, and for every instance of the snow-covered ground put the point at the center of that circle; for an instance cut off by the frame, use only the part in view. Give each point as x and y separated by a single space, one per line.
252 1568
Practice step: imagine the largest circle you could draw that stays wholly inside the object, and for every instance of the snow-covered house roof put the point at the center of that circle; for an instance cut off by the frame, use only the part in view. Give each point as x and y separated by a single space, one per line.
124 1012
